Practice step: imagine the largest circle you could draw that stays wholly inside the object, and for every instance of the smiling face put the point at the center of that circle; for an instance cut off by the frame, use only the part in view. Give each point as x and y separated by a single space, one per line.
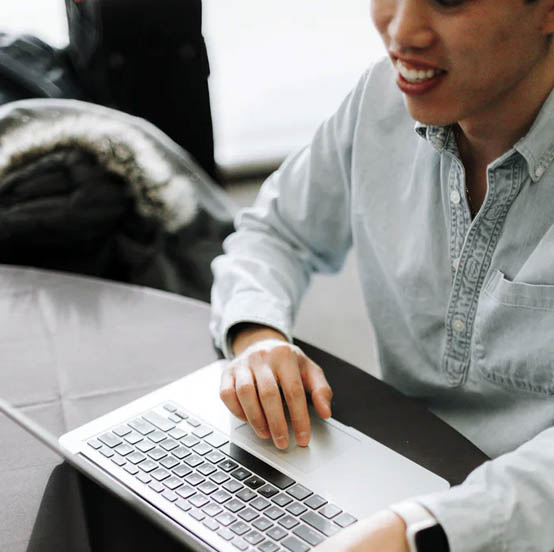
468 60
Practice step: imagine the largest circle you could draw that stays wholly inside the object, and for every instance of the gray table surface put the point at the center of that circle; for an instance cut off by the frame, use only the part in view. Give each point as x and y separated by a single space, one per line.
73 348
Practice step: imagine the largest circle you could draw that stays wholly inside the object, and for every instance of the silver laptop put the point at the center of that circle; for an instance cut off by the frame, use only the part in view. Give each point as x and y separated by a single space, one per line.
181 458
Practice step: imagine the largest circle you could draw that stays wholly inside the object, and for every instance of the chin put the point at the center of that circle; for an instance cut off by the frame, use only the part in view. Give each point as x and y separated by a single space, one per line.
428 115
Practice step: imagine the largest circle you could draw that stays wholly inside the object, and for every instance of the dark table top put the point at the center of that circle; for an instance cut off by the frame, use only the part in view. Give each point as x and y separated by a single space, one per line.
73 348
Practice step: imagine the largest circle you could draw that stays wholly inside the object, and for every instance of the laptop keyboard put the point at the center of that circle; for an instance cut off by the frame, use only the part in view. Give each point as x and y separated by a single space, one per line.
237 496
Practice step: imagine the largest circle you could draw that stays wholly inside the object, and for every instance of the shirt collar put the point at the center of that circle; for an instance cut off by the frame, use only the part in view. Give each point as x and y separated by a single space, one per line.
536 147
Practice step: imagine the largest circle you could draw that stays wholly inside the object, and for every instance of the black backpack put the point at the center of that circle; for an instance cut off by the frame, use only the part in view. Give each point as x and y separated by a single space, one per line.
147 58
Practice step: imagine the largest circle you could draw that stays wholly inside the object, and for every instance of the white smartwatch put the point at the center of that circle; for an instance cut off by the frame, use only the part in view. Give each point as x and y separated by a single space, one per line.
423 532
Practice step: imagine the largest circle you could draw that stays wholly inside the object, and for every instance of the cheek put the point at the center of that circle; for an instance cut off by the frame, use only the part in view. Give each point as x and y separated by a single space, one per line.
379 15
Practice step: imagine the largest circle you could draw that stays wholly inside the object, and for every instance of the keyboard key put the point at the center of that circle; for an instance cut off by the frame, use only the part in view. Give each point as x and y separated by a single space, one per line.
344 520
157 436
177 433
206 468
260 503
110 440
227 465
169 444
118 461
169 462
182 471
107 452
190 441
208 487
170 495
94 443
294 545
193 422
248 514
219 477
224 533
288 522
277 533
216 440
268 546
122 430
234 505
197 514
215 456
299 492
282 499
254 537
160 474
144 478
133 438
156 486
198 500
267 472
172 482
262 524
254 482
145 446
226 518
174 418
274 513
221 496
240 544
268 491
159 421
211 524
195 479
170 407
202 431
330 511
241 474
157 454
309 535
142 426
328 528
133 470
194 460
296 508
202 449
147 465
247 494
183 505
233 486
239 528
185 491
181 452
315 502
212 509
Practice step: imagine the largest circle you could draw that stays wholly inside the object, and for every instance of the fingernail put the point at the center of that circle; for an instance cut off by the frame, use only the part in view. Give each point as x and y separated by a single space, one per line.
281 441
303 437
263 432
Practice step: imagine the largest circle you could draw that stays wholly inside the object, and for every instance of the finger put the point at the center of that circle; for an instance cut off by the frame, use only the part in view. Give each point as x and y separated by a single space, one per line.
270 398
290 380
248 397
316 384
228 394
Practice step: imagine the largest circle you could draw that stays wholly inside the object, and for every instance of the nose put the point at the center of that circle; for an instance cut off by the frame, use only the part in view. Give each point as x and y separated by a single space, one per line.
408 26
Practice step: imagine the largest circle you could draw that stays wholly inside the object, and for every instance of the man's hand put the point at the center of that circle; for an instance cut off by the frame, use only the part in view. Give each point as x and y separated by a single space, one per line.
251 386
383 532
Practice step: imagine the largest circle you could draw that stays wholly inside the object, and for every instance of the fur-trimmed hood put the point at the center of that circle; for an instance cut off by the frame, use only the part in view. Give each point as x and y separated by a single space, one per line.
166 183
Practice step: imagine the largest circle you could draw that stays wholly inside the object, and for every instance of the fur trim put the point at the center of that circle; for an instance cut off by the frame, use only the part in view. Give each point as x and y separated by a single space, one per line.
121 149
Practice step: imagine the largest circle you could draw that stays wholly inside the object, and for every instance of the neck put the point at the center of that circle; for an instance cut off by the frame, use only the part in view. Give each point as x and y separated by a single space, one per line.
484 138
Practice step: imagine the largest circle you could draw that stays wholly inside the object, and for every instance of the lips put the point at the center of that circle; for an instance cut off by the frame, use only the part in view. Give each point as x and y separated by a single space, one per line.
417 78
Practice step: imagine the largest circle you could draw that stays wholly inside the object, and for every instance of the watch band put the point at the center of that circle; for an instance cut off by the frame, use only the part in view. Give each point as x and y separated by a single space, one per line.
423 531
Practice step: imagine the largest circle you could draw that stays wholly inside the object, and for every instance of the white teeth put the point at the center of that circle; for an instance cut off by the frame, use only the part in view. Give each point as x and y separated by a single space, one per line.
412 75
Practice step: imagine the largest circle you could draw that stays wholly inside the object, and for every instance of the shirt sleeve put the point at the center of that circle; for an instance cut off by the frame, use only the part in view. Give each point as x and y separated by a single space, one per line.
505 504
300 223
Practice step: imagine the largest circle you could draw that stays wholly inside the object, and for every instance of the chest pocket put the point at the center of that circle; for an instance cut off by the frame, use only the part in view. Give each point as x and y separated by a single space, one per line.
514 335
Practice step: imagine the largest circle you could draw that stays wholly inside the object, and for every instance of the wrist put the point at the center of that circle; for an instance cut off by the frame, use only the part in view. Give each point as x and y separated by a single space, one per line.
242 336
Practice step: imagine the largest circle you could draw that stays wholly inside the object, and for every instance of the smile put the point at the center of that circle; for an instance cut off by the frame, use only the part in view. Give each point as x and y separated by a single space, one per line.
416 76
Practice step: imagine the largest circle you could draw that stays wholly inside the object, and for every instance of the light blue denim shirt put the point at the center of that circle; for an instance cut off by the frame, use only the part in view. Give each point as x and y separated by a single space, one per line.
463 310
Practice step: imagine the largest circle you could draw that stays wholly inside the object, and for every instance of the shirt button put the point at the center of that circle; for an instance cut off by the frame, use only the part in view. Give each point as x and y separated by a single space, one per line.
539 171
456 263
458 326
455 197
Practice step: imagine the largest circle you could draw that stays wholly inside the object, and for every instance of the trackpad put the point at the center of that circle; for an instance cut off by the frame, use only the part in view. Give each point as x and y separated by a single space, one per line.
326 443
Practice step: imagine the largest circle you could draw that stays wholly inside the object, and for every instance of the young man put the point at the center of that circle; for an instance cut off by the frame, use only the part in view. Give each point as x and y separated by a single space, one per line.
452 219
